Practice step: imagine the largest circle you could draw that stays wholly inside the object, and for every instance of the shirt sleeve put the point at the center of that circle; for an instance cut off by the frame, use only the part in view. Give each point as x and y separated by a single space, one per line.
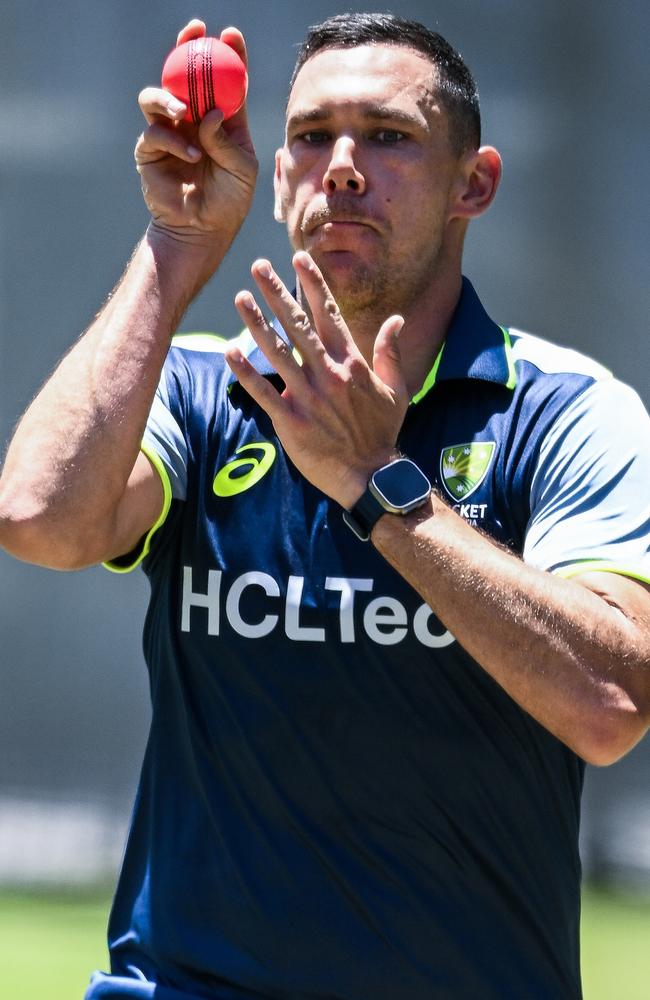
165 446
164 437
590 493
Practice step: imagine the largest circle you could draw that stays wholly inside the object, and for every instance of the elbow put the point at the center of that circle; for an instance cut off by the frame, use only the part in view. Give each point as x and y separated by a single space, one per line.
30 534
18 531
609 736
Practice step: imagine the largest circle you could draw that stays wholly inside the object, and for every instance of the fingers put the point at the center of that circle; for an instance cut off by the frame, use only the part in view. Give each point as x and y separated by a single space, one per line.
164 112
259 388
237 124
157 103
325 335
293 318
320 342
387 362
165 135
234 38
328 320
160 140
224 147
277 352
193 29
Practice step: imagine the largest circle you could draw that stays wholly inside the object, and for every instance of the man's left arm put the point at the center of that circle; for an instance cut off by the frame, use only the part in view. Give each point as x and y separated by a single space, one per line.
575 654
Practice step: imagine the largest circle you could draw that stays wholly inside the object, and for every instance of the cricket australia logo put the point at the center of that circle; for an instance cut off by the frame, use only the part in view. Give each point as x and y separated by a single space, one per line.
463 467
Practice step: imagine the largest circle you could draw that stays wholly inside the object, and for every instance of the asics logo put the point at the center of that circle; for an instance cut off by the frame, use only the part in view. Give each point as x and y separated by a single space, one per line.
242 473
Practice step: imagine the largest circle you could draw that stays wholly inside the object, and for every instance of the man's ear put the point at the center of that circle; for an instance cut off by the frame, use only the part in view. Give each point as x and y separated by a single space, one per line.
478 180
278 208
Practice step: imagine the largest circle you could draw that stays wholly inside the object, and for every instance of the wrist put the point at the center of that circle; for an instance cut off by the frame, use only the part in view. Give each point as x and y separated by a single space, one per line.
357 482
185 258
396 488
186 242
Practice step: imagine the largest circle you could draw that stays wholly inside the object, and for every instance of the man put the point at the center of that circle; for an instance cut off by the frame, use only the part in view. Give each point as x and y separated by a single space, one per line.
365 761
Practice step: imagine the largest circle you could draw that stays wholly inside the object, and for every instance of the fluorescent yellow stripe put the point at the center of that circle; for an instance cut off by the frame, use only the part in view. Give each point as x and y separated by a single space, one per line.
430 380
200 333
200 341
212 343
116 567
594 566
512 371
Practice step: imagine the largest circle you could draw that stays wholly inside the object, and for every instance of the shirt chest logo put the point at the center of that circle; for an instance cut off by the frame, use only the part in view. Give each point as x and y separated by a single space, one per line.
463 467
242 473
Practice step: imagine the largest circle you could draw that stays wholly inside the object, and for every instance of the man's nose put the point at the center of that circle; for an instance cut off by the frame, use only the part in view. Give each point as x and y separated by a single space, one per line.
342 173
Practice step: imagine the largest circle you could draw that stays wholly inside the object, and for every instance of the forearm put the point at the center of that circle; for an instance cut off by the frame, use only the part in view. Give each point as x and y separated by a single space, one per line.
572 660
74 449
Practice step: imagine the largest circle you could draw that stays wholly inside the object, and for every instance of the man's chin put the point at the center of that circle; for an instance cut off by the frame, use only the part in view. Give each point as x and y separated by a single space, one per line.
353 283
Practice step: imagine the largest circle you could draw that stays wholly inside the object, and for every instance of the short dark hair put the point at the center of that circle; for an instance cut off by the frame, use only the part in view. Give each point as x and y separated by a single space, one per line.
456 87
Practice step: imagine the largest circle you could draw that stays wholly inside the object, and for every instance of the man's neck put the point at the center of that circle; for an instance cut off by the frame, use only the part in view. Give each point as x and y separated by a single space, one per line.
426 322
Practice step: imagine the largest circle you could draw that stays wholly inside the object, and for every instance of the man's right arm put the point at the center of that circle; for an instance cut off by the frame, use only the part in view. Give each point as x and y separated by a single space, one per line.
75 488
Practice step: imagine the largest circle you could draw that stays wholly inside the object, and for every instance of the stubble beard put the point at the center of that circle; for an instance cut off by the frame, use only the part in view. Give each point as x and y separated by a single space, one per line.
364 288
361 290
370 293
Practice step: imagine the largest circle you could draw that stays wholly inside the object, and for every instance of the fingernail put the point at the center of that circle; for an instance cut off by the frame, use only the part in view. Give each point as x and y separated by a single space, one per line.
247 301
306 261
175 107
264 269
194 152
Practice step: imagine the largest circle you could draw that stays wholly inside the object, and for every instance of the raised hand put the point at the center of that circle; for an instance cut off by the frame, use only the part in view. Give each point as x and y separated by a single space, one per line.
338 418
198 181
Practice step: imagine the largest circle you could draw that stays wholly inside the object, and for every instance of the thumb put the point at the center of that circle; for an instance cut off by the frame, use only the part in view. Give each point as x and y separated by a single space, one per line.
222 147
386 359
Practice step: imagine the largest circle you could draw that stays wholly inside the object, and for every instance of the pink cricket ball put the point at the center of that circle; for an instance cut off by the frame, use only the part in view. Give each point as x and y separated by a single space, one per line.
205 73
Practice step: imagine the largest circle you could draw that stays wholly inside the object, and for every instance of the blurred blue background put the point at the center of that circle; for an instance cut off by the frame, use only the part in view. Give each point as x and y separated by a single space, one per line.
562 253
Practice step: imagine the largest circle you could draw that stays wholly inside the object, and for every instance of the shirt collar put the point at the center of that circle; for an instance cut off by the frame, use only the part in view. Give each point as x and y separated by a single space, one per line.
475 348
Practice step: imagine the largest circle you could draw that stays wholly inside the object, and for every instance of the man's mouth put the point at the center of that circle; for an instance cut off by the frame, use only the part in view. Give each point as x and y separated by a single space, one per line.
334 225
330 221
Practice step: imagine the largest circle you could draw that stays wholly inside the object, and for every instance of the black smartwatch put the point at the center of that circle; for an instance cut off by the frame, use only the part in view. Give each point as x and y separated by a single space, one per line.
396 488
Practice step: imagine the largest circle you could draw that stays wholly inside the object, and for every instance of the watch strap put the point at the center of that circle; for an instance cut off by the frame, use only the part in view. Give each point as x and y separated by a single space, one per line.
386 494
364 515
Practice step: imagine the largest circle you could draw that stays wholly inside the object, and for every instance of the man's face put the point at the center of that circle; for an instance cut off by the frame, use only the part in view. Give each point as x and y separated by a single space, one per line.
365 176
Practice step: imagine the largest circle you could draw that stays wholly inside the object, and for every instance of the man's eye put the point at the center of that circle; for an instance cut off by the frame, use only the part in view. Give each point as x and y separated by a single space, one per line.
314 138
390 136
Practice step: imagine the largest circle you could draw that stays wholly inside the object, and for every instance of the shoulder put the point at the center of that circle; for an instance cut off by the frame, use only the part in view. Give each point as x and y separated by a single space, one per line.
200 350
544 357
196 366
584 386
553 383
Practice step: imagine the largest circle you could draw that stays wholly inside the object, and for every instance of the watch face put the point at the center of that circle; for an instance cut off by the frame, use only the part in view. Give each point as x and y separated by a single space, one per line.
401 484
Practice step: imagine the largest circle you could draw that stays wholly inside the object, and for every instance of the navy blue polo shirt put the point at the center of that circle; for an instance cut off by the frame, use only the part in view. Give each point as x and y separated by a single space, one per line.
336 801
